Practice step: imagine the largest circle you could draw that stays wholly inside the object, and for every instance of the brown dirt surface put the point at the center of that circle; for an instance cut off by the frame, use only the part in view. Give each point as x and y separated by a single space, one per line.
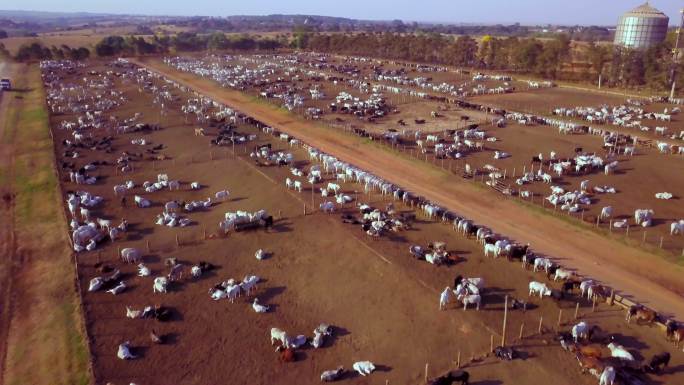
382 302
648 278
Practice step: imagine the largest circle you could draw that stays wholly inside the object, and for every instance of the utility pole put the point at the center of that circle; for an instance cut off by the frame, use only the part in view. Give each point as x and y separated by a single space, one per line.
675 54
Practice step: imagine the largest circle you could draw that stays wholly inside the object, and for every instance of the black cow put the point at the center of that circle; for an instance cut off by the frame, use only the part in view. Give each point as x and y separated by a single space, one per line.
504 353
657 363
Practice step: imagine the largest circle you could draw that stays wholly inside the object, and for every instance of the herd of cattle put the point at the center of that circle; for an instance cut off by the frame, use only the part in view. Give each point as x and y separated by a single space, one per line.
89 102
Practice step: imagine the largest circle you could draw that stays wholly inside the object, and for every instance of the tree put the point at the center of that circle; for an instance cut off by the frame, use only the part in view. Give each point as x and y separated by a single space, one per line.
301 36
111 45
34 51
217 41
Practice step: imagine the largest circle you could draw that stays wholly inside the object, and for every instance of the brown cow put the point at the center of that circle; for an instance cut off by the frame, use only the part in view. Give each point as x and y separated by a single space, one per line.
641 314
286 354
592 365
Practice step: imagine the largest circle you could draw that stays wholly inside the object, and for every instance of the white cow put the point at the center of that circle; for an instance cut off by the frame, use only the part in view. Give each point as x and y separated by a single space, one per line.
298 185
677 227
104 223
142 202
258 307
332 375
580 331
584 185
260 254
131 255
563 274
606 212
364 368
195 186
124 351
279 335
471 299
538 287
542 263
222 195
160 285
608 376
643 217
143 271
444 298
619 351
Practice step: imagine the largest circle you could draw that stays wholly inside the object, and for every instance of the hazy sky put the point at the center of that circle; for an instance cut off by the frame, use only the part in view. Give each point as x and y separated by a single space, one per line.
603 12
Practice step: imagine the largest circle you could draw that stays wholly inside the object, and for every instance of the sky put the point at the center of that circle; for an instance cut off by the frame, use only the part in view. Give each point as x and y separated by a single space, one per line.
568 12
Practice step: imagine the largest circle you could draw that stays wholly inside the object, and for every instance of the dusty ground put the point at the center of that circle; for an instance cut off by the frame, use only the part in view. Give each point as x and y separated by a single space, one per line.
382 302
625 273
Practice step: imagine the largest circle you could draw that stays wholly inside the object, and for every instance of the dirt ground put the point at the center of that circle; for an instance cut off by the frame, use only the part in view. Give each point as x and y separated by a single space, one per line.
382 302
521 142
516 221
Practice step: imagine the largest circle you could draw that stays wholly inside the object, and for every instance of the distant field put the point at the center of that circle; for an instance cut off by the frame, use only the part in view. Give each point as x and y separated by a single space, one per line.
88 41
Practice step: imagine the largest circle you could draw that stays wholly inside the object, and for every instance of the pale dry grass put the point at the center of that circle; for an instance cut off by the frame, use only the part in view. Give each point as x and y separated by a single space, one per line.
45 344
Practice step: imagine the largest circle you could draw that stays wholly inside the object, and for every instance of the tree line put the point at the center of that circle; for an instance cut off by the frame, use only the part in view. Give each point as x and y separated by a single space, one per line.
155 45
556 58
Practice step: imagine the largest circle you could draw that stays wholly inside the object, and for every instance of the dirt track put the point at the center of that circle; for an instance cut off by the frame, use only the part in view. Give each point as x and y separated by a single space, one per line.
622 267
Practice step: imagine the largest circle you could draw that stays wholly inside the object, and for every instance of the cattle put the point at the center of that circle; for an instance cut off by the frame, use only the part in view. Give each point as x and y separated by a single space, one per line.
286 354
590 364
131 255
160 285
563 274
540 288
124 351
607 376
657 363
258 307
364 368
504 353
619 351
580 331
641 314
471 299
278 335
332 375
222 195
673 332
444 298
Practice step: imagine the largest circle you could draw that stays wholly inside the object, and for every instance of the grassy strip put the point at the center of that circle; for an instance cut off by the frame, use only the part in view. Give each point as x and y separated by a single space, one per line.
46 342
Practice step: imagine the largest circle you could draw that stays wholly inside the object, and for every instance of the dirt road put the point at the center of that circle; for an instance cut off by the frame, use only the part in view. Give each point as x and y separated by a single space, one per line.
648 278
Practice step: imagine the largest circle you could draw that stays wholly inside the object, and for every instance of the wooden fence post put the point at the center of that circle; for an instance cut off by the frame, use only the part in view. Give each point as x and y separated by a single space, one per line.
503 333
458 360
491 343
426 372
611 299
147 243
539 330
522 327
576 310
661 242
560 317
177 240
643 239
593 304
